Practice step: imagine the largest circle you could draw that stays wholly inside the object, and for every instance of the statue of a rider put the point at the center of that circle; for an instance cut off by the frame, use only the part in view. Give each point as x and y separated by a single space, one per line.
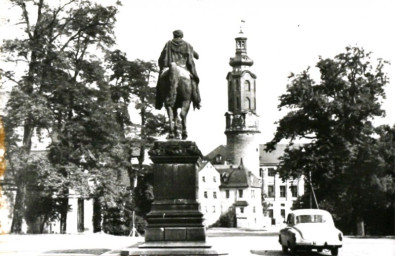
180 52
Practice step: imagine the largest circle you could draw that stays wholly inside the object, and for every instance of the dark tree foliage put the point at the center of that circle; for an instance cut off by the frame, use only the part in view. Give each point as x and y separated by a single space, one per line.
132 82
61 90
350 161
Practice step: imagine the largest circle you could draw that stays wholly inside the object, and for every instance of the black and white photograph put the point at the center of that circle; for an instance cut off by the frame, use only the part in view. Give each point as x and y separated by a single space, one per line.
197 128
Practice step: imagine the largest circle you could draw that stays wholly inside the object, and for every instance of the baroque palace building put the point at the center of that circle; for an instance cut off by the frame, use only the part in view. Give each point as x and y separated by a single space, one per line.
250 185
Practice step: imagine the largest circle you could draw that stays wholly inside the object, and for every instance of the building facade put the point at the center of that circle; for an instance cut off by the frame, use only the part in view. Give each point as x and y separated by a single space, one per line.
209 195
250 184
278 195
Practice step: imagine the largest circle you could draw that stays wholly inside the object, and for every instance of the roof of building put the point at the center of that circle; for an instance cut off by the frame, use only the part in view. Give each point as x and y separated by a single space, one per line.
237 177
220 150
273 157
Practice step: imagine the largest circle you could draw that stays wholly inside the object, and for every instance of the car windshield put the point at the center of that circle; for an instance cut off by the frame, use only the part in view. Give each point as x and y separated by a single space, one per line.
310 218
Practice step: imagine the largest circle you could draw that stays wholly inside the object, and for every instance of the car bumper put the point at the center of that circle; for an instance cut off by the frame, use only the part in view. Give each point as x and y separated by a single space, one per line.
317 245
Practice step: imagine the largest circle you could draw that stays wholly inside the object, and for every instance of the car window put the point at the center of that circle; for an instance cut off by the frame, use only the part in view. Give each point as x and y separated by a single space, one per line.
290 219
310 218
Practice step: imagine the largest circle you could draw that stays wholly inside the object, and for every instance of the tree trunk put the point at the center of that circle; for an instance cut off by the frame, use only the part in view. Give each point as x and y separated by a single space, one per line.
80 215
63 215
96 216
19 206
360 227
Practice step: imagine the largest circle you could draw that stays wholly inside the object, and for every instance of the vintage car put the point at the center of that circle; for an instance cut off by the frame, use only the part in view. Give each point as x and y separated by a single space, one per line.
309 229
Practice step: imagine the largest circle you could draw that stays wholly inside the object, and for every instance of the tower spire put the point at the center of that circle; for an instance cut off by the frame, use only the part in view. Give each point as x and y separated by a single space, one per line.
242 22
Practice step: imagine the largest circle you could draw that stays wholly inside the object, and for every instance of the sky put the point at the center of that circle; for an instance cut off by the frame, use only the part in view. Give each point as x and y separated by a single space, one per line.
284 36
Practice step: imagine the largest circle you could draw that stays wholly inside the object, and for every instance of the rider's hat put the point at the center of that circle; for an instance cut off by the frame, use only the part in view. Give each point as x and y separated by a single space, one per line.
178 33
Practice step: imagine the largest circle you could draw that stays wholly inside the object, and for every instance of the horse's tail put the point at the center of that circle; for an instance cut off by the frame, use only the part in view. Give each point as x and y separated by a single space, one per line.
173 83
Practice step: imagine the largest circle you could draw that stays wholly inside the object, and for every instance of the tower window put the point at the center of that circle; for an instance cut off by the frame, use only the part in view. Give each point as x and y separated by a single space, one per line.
247 103
247 86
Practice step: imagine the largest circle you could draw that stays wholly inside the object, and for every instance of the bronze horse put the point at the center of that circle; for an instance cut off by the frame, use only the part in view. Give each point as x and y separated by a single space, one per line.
175 91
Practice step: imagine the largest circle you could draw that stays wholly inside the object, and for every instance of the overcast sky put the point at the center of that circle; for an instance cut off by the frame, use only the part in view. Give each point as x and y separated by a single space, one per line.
283 37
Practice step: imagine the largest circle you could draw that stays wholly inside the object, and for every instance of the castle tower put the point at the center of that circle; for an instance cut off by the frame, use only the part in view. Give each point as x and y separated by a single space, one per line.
242 126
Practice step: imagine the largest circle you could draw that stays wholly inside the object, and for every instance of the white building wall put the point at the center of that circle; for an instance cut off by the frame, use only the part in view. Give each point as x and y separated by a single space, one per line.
280 204
209 195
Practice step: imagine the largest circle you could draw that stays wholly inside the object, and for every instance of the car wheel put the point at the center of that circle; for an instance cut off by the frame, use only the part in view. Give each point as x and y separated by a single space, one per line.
319 250
335 251
285 249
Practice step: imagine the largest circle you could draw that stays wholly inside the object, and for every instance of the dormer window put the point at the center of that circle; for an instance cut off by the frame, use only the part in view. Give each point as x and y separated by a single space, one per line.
218 159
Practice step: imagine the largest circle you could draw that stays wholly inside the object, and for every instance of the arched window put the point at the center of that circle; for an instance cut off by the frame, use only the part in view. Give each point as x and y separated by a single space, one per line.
247 103
247 85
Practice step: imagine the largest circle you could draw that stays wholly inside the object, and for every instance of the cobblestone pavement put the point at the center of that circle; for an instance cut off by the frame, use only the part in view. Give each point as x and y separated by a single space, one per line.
269 246
240 243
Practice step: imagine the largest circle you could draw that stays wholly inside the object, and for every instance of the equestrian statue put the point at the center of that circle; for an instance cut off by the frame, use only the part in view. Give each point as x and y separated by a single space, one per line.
178 82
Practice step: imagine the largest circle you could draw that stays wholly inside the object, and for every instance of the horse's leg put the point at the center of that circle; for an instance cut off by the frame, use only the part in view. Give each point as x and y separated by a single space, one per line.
184 112
175 118
171 122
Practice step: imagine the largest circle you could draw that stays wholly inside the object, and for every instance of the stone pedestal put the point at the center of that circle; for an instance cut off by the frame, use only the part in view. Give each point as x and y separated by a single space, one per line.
175 224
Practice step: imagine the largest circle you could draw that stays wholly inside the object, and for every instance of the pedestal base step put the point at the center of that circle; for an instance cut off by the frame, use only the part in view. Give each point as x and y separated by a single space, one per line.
171 244
171 248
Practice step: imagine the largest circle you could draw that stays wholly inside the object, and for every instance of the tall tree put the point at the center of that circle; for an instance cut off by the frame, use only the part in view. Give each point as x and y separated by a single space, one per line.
60 78
131 83
335 114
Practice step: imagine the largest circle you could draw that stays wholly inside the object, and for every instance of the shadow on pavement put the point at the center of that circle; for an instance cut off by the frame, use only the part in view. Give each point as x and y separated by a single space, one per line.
280 253
95 251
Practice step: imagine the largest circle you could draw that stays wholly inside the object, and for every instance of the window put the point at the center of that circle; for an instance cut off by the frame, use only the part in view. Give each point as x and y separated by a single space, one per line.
205 194
240 193
218 158
252 193
283 213
241 209
260 171
282 191
270 190
203 178
271 213
294 191
247 103
214 179
253 209
227 193
247 86
214 208
271 172
206 208
214 194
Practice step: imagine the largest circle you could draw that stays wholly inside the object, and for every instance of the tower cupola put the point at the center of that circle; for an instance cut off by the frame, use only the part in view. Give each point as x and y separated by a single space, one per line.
241 59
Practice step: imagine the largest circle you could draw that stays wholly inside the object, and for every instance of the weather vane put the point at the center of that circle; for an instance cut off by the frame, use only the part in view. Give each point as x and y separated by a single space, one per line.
242 22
